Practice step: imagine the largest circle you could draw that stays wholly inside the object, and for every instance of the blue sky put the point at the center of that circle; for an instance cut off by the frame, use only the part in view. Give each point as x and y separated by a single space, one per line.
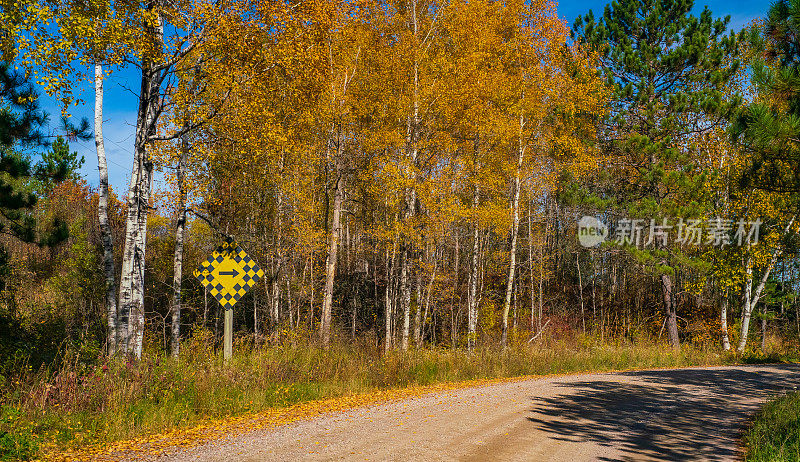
121 101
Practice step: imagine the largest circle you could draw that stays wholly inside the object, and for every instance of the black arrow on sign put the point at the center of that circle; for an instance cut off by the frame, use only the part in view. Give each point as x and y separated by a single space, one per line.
233 273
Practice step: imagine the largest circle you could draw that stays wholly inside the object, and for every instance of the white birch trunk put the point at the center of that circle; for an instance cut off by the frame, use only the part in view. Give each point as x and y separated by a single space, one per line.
580 290
472 302
330 264
177 268
276 280
131 290
274 301
512 265
428 300
530 261
106 235
454 317
412 127
405 286
751 298
418 310
387 303
726 342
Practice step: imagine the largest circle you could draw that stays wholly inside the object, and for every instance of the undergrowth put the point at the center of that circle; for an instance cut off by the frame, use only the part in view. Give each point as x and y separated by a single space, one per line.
84 403
775 432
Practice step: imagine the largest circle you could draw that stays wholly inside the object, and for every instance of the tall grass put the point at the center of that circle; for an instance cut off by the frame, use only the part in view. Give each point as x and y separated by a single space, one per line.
775 433
78 405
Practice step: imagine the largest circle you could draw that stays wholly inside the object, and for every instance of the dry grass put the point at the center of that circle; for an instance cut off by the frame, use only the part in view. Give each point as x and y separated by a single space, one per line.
89 405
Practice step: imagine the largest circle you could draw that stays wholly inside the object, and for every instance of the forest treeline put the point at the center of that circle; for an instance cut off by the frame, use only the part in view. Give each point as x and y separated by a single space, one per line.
407 174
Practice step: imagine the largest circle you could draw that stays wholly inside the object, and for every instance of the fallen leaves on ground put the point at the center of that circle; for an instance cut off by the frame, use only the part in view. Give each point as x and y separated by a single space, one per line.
151 446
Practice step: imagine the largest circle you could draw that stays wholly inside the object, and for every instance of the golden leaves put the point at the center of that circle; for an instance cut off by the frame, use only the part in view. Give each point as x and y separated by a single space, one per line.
215 430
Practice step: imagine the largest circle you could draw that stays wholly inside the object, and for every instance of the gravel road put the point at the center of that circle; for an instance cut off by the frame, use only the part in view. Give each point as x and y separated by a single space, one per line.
683 414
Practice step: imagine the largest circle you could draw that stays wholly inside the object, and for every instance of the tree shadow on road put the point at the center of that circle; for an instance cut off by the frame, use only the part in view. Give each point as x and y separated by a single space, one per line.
665 415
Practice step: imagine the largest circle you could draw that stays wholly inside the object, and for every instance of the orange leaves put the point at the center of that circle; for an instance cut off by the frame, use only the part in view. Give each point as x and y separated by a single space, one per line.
211 431
404 100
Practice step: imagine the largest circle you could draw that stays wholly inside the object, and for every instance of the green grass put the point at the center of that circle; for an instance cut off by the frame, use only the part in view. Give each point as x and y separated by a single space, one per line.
87 404
19 443
775 433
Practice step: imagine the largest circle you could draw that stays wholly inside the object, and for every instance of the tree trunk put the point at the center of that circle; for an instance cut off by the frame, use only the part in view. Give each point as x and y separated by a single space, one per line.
726 342
796 315
276 279
512 265
354 301
311 299
387 300
542 245
177 269
405 296
580 290
456 296
406 253
274 299
763 328
255 318
330 264
514 316
131 289
418 310
594 297
292 317
106 235
536 316
796 309
412 126
428 298
750 298
672 315
131 299
472 302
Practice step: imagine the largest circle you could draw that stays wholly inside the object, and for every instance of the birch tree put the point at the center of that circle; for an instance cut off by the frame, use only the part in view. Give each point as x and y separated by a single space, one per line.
109 270
67 39
553 92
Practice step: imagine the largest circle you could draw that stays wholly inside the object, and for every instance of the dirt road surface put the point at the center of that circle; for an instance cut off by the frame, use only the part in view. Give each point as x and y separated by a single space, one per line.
666 415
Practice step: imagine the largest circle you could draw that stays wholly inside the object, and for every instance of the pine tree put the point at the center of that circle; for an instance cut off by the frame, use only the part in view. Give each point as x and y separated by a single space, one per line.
766 132
768 128
666 69
21 122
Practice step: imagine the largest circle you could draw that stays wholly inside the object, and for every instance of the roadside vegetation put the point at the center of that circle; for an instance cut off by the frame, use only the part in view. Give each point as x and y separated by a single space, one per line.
775 433
85 402
427 204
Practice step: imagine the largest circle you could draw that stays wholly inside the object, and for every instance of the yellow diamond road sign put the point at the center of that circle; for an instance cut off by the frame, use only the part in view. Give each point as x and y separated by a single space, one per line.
228 273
